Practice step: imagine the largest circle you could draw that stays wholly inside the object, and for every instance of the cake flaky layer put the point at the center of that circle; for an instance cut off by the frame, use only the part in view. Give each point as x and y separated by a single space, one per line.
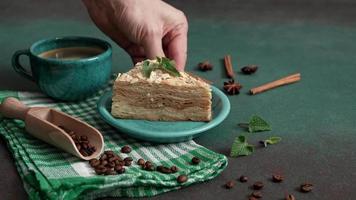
126 111
161 97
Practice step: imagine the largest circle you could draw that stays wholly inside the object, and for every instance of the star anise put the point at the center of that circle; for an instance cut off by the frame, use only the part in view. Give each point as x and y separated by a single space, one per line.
231 87
249 69
205 66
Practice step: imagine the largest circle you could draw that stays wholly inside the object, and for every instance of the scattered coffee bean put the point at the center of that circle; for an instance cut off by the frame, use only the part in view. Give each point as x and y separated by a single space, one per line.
249 69
204 66
277 178
195 160
141 162
81 142
94 162
243 179
290 197
104 162
108 152
128 163
164 170
110 172
100 171
182 178
119 162
306 187
126 149
128 159
257 185
119 169
111 164
252 198
174 169
103 157
148 166
256 194
229 184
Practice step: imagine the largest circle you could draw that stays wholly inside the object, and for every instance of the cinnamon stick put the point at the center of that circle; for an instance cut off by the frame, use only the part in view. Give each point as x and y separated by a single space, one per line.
228 66
283 81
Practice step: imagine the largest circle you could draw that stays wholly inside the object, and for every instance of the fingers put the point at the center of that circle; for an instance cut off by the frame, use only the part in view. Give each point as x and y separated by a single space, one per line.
153 47
176 46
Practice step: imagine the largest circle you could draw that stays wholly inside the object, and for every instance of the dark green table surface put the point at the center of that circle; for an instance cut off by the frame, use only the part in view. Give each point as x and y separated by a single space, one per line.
316 117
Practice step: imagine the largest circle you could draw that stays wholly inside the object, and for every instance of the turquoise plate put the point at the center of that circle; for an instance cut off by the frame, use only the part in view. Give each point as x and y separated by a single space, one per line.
166 132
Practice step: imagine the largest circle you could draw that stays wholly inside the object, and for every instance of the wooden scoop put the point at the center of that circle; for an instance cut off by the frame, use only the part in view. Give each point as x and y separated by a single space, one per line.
43 123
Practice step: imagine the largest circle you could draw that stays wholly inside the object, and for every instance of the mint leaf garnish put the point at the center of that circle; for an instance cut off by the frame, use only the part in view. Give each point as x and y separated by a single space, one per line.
146 69
240 147
163 64
169 66
256 124
273 140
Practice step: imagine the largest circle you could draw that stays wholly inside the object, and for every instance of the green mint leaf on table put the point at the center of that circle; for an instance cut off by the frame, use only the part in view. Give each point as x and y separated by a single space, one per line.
256 124
240 147
273 140
163 64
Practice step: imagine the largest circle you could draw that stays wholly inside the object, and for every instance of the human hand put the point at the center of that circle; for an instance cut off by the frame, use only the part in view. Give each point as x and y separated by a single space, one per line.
143 28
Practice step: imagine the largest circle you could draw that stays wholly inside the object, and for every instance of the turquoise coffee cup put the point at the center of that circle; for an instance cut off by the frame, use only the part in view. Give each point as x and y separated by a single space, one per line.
66 79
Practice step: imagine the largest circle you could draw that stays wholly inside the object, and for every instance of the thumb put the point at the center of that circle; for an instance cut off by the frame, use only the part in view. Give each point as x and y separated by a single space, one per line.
153 47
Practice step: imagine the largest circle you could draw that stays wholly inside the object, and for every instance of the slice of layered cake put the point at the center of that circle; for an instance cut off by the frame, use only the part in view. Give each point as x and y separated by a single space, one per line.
155 90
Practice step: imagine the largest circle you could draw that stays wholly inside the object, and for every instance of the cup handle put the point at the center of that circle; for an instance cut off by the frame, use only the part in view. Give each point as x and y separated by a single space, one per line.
18 67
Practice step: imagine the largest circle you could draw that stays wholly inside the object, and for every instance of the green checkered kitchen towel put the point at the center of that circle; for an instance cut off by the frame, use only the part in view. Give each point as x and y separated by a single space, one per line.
49 173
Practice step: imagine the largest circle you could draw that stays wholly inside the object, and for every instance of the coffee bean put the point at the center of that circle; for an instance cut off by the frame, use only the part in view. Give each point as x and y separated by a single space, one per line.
277 178
128 159
121 170
112 159
306 187
84 153
100 171
229 184
108 152
111 164
195 160
100 167
243 179
149 168
174 169
104 162
182 178
128 163
120 162
141 161
84 146
81 142
126 149
257 185
94 162
110 172
256 194
103 157
164 170
290 197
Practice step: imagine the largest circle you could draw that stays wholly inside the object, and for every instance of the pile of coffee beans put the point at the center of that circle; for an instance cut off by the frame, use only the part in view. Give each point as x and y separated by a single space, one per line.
258 186
81 142
109 163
